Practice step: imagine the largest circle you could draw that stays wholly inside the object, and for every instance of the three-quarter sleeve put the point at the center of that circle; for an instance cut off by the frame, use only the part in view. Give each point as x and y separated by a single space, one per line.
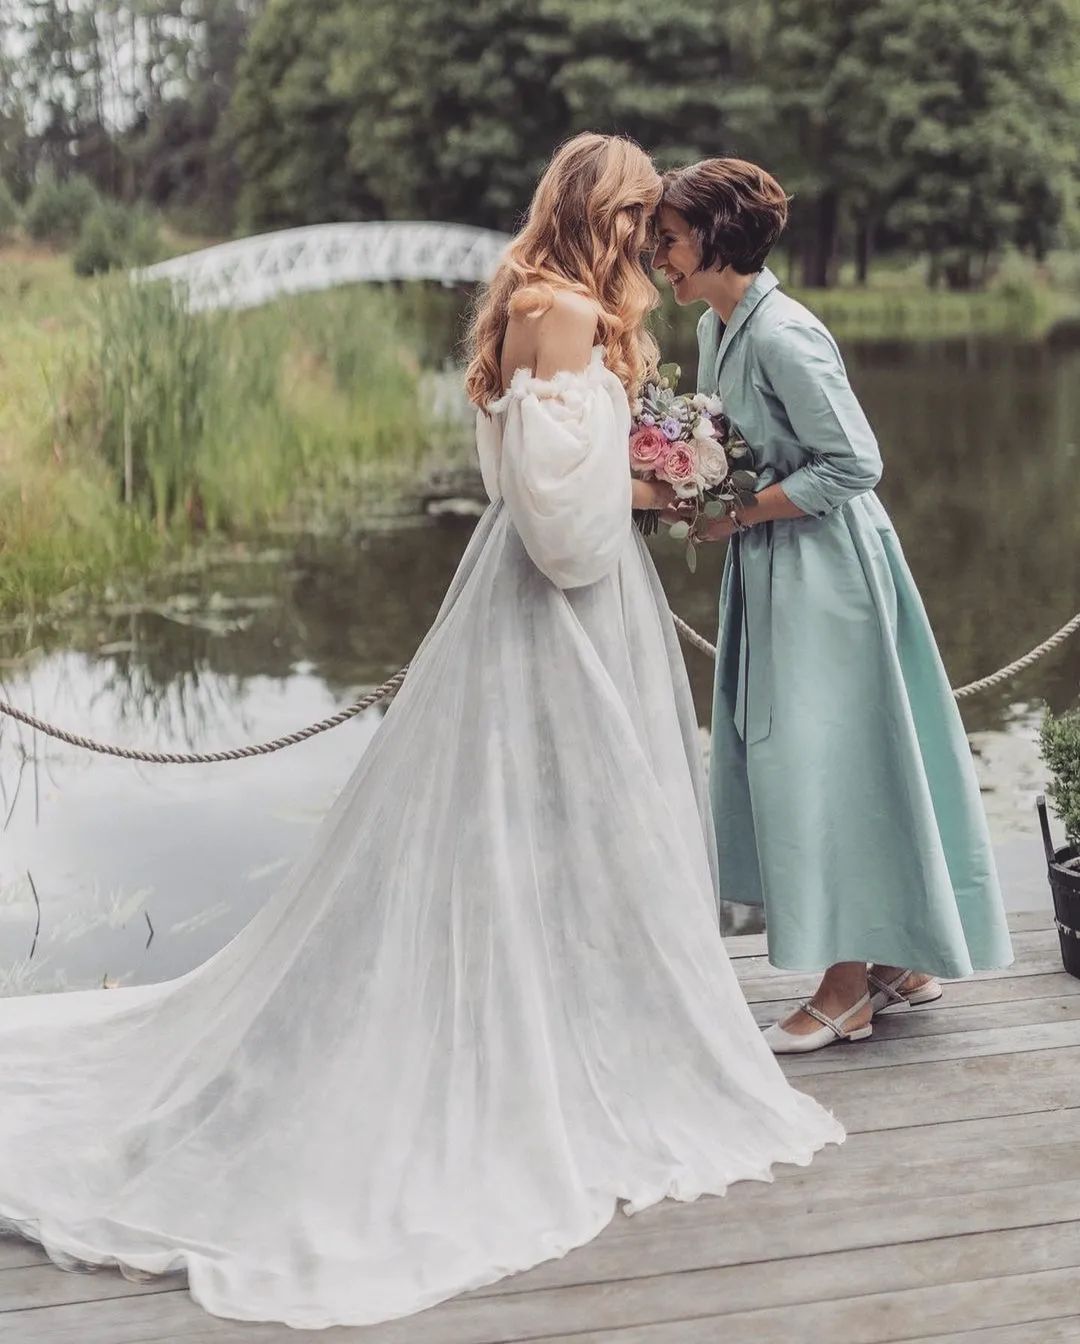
806 374
564 472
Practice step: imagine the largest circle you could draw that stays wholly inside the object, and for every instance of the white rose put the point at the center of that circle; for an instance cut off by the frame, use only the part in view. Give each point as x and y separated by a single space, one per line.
714 406
703 429
699 401
712 463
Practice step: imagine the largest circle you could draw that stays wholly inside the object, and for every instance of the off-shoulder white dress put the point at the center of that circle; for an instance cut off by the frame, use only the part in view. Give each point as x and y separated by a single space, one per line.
489 1005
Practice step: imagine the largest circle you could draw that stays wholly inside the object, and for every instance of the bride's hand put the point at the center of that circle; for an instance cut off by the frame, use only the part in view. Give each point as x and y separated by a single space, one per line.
652 495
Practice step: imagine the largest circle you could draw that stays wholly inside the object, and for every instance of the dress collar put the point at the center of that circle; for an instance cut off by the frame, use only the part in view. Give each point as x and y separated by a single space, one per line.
762 284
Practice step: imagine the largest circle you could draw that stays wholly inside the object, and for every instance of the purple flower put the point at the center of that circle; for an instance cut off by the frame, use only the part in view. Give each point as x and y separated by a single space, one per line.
647 419
670 428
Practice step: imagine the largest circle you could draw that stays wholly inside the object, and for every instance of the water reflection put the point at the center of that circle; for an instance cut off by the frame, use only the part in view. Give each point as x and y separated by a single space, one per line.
981 447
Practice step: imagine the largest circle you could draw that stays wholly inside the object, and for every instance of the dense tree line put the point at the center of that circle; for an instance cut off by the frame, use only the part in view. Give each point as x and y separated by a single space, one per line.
133 95
945 128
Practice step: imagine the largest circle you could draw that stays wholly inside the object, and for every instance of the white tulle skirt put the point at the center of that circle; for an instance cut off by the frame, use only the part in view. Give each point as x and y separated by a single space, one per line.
489 1004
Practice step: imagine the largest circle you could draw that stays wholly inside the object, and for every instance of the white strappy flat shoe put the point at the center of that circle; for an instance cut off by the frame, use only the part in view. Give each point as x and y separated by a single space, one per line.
888 993
783 1042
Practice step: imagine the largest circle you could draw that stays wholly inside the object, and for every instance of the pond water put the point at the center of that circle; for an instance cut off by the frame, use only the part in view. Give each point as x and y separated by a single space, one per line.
140 872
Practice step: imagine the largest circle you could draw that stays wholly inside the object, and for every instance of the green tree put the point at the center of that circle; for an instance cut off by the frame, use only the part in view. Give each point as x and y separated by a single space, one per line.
181 152
129 93
16 145
662 75
987 133
453 109
456 108
289 127
793 111
9 212
944 121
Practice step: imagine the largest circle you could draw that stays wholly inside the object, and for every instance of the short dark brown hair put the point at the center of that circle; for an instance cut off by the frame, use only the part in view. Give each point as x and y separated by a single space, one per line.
735 209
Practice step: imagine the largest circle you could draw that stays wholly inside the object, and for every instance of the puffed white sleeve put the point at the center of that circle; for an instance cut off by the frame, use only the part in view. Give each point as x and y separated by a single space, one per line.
564 472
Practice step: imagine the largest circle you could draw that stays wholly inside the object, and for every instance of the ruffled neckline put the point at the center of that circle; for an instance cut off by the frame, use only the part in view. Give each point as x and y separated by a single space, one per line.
524 382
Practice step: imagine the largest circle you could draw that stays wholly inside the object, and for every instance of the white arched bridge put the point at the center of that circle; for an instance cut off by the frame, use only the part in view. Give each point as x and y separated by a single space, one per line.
251 271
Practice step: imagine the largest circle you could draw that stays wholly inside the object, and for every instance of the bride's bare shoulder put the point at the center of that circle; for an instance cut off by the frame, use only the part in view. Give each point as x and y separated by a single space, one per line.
549 329
566 333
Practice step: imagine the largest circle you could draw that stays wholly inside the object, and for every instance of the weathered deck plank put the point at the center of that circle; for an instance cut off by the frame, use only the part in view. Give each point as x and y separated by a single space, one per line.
15 1253
961 994
764 1221
1064 1330
667 1247
873 1318
890 1052
763 986
971 1108
946 1016
938 1284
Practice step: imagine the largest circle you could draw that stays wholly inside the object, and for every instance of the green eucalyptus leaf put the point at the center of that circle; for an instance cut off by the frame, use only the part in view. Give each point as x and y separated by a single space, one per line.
691 558
715 508
680 531
744 480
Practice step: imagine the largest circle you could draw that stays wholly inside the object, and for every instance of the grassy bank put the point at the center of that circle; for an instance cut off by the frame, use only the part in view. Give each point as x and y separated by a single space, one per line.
1023 302
130 430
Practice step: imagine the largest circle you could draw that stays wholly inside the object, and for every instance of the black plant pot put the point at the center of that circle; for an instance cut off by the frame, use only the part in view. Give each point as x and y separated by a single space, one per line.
1063 870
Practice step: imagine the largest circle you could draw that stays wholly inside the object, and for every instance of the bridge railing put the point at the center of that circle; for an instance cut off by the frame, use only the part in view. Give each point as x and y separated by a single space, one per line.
252 271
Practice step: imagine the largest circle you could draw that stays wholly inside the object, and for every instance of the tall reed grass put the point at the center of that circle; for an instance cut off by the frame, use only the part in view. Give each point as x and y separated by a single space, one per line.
236 420
140 424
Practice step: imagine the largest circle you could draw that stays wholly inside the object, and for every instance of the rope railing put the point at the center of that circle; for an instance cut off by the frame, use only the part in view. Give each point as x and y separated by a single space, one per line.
392 685
972 688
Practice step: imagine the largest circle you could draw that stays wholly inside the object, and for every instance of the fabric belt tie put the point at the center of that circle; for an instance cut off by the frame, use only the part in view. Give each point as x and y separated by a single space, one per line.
752 557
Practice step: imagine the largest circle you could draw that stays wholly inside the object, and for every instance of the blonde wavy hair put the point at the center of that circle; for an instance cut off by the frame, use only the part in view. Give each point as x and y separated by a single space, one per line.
586 230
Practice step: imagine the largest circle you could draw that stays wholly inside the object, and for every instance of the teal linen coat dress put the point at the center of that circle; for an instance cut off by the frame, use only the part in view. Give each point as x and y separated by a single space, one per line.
842 784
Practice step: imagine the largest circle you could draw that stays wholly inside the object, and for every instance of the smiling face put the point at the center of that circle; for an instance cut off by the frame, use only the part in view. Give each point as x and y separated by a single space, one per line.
678 255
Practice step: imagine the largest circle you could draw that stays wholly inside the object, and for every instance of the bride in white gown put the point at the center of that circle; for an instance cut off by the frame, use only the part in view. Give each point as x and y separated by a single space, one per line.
491 1002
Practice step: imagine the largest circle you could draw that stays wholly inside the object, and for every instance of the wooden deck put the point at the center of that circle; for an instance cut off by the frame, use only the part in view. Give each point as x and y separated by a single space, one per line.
950 1216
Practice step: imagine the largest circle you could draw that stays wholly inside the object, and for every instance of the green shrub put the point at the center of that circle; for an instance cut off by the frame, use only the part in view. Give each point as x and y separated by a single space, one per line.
9 212
115 236
144 245
56 211
100 247
1059 741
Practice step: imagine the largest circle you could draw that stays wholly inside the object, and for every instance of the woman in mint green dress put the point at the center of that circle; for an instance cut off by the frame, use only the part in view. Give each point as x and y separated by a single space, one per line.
843 789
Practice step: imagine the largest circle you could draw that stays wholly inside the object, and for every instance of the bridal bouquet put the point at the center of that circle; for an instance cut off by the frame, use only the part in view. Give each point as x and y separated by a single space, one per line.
691 444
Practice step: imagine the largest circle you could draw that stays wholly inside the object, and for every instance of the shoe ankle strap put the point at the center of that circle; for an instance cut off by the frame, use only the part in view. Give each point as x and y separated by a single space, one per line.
890 990
820 1016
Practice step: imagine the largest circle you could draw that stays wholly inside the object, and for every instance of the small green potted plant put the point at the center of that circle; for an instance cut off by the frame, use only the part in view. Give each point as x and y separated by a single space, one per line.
1059 741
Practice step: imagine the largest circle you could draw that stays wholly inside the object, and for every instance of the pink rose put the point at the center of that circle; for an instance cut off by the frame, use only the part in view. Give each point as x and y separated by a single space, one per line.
679 465
647 448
